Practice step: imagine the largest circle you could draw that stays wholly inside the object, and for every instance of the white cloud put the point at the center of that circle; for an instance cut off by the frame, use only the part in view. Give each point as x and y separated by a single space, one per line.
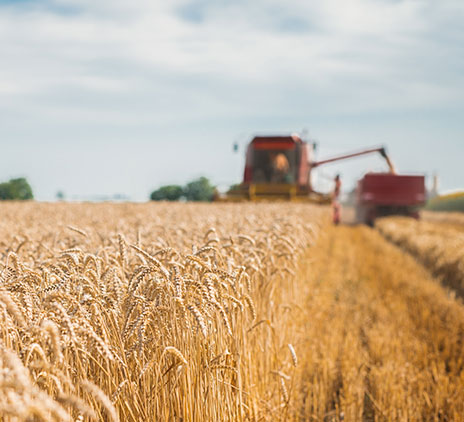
357 38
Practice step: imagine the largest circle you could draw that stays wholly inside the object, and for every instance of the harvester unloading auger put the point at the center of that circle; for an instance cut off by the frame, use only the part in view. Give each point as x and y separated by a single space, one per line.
279 168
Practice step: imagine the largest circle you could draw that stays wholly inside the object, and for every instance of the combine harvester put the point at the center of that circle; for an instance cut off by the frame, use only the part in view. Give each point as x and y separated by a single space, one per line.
278 168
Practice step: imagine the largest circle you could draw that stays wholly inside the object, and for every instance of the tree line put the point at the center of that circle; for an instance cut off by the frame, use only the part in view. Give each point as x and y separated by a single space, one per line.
197 190
200 189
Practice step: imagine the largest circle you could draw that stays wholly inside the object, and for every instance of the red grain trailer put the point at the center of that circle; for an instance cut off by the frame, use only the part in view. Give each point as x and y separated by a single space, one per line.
382 194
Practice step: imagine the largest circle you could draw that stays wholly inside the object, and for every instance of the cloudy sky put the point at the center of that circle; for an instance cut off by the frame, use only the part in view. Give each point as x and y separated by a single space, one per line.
112 96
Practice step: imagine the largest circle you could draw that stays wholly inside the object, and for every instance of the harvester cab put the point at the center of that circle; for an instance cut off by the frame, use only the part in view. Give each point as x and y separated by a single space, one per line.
276 167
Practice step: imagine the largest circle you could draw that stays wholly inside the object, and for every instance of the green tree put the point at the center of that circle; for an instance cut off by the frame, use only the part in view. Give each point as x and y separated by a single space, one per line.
199 190
16 189
167 193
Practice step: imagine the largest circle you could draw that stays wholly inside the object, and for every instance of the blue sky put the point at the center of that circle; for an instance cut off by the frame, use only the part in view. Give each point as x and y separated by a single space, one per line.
99 98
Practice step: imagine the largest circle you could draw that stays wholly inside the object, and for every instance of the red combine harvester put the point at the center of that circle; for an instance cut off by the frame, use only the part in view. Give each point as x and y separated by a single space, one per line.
279 168
260 179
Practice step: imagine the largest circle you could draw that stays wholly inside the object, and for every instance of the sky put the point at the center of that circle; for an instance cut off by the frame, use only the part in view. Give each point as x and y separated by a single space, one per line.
109 97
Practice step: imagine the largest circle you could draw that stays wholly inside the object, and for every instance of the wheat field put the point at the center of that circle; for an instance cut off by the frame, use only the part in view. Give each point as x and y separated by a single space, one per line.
451 219
437 241
218 312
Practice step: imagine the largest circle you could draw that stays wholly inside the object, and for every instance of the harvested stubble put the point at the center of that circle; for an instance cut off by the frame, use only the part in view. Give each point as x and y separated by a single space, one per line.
384 341
148 312
437 242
